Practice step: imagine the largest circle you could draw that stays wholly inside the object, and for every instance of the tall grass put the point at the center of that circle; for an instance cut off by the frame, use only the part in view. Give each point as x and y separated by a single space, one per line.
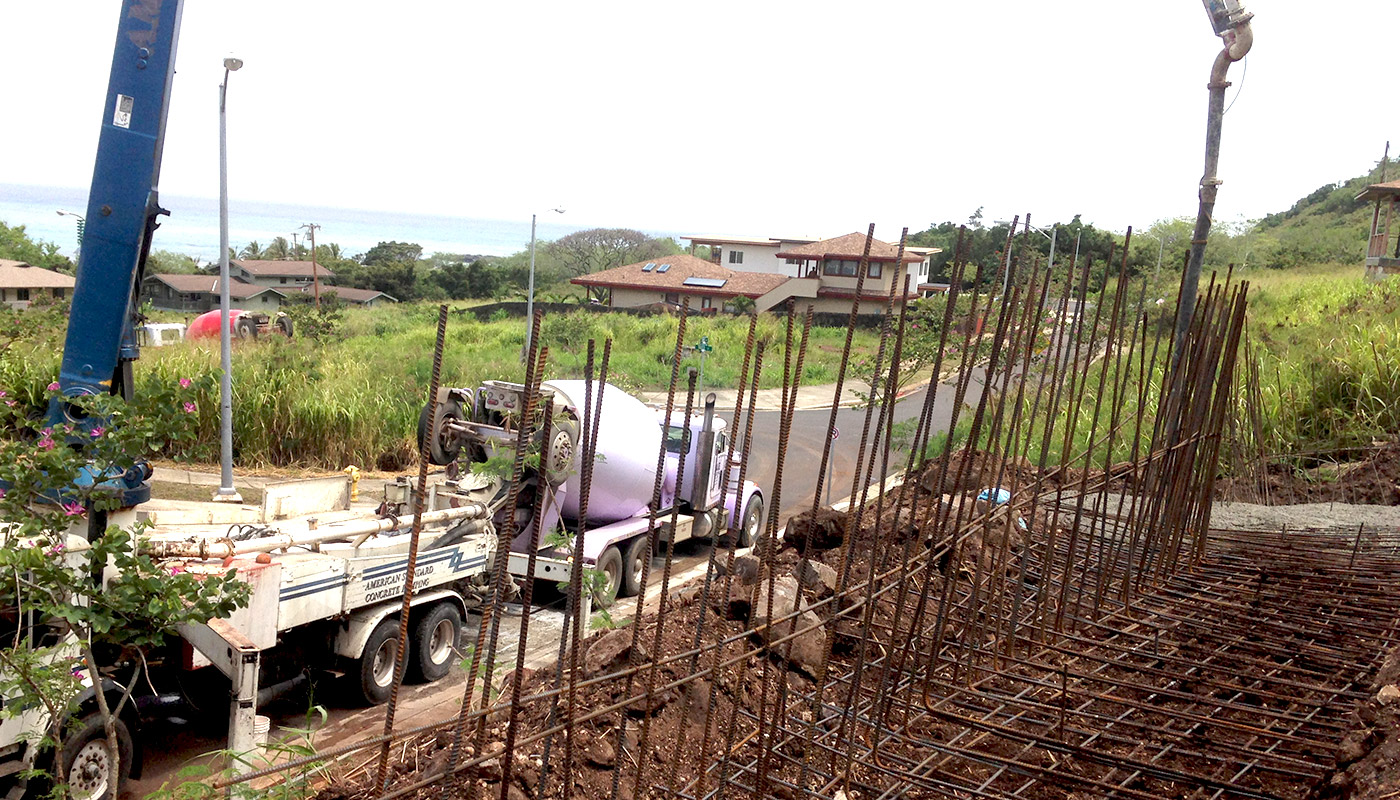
1327 344
355 400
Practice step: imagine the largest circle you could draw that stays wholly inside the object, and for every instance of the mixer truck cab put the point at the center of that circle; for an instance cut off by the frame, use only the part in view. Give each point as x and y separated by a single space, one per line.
698 486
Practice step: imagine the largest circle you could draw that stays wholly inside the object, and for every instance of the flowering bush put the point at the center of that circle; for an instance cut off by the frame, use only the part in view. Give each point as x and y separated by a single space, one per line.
54 525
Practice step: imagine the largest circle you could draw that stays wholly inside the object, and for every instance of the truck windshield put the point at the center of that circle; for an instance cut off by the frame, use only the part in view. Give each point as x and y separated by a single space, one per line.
675 439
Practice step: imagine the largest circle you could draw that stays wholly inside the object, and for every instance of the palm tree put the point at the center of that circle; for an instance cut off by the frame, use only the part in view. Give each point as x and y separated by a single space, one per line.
279 250
252 251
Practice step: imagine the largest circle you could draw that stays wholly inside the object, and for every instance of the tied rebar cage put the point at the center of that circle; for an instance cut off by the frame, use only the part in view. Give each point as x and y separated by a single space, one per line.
1023 596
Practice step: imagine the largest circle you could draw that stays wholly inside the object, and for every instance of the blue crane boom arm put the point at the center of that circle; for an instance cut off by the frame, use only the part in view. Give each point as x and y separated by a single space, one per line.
123 205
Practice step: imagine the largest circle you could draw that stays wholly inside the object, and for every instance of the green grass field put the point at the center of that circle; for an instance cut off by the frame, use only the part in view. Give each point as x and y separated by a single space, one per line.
355 399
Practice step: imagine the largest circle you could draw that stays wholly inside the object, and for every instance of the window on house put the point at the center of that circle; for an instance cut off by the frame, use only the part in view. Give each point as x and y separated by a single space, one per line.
281 280
736 256
21 294
58 294
875 270
672 297
706 303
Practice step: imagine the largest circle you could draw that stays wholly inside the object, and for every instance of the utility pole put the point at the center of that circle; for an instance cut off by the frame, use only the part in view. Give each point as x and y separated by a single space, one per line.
315 277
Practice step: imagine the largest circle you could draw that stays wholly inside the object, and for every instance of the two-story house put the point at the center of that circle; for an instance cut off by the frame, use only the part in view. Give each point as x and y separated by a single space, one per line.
821 274
829 271
278 274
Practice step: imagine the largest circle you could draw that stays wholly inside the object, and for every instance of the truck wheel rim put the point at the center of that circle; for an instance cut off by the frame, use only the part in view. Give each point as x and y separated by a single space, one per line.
88 775
384 659
561 452
751 526
441 642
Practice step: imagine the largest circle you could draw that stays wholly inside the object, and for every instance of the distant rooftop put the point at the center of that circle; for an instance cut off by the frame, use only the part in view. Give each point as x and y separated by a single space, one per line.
281 269
22 275
756 241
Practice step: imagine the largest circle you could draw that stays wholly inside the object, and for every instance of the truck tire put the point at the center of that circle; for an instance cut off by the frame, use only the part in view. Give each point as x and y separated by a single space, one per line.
376 663
751 522
284 325
245 328
632 560
86 759
610 564
435 640
439 447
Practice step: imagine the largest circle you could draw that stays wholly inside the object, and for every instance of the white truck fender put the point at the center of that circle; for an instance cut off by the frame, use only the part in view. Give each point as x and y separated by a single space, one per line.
355 630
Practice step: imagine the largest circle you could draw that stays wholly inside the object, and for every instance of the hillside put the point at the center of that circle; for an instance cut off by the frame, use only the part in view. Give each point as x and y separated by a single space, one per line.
1328 225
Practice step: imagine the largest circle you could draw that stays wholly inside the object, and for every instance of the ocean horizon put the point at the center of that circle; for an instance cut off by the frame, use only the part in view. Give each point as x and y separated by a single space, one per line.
193 225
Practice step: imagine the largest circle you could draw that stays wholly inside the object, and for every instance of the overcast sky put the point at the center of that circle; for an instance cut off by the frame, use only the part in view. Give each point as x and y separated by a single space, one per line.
760 118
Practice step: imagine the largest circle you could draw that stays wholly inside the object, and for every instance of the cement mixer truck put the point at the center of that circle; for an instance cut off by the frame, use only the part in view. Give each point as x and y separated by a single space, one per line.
470 427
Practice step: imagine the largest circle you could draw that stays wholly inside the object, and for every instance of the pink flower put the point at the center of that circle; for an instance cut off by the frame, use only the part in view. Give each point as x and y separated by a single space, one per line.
185 383
53 387
11 403
55 550
46 442
73 510
176 570
97 432
4 393
190 408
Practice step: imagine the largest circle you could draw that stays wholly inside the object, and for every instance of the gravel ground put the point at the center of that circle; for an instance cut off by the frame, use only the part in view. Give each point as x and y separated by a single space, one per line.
1310 516
1303 516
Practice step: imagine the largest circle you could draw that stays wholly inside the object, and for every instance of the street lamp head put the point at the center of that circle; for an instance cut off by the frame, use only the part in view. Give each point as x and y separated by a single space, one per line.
557 210
233 64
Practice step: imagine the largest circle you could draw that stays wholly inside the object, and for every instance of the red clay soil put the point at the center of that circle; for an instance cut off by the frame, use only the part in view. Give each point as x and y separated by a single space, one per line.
1374 480
1368 764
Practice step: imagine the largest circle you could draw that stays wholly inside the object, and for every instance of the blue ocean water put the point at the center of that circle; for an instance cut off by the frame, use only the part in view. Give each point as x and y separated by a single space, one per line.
193 225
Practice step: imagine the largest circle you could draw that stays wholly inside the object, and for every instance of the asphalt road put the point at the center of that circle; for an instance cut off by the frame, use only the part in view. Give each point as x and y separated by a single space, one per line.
807 437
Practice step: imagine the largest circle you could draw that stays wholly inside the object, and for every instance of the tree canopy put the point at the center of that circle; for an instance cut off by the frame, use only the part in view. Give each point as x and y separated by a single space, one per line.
15 244
597 249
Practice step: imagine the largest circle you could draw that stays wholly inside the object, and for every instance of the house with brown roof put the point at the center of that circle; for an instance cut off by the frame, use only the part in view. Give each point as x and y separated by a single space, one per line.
823 269
278 273
200 293
830 267
22 283
671 279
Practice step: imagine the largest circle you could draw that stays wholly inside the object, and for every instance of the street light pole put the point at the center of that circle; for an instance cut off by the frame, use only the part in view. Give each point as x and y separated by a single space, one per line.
81 224
530 292
225 493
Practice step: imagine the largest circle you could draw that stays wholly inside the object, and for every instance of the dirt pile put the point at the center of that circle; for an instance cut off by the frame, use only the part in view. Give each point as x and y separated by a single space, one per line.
1368 760
1373 480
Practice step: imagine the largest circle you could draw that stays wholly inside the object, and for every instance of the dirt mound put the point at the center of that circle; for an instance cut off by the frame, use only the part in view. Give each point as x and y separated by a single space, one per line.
983 470
1374 480
1368 759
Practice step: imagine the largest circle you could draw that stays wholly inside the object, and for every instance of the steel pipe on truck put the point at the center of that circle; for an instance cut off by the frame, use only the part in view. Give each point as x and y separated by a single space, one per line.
224 547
